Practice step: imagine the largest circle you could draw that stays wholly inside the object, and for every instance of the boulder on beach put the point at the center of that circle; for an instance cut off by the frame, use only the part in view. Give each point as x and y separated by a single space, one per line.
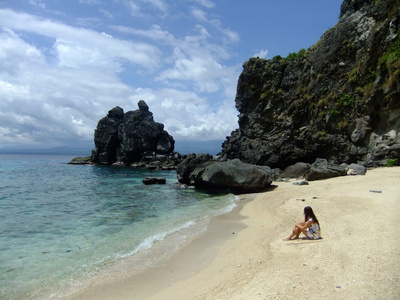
297 170
355 169
234 175
188 164
321 169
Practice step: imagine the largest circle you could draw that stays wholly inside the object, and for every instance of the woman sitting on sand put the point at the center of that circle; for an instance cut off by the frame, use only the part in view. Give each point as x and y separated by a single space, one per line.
310 226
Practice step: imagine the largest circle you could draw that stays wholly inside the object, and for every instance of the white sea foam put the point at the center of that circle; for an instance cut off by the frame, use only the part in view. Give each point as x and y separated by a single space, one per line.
229 207
149 241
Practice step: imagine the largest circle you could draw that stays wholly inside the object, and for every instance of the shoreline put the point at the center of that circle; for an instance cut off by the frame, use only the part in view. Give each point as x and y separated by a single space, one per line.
357 258
120 282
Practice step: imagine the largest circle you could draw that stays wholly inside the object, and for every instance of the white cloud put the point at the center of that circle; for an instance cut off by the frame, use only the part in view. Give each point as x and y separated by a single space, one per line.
262 53
37 3
199 14
46 100
134 8
64 103
91 2
155 33
75 55
90 41
15 53
204 72
158 4
197 119
205 3
146 9
192 59
229 36
59 92
106 13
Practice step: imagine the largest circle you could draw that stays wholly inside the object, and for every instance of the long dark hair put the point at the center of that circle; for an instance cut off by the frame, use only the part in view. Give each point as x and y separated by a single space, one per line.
308 213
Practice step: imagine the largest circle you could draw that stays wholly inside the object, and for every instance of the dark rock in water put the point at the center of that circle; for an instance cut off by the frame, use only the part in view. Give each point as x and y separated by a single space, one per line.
130 137
80 160
234 175
321 169
337 100
154 180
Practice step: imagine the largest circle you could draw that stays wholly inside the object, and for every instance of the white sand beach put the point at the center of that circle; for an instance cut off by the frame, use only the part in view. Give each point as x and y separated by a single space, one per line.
243 256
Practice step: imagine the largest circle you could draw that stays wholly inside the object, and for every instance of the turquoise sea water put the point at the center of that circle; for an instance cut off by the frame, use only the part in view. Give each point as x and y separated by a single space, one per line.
60 224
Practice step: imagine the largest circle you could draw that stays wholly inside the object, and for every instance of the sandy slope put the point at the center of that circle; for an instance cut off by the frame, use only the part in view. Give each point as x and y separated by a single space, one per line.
359 256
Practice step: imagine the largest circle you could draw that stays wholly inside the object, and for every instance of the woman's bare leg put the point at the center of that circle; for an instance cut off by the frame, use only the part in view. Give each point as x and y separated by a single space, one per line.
295 233
302 223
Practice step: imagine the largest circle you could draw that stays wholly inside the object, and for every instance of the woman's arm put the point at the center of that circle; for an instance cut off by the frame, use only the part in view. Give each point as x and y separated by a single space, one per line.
305 225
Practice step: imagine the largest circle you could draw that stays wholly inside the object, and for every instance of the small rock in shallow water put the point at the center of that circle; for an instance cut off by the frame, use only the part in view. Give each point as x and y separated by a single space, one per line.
154 180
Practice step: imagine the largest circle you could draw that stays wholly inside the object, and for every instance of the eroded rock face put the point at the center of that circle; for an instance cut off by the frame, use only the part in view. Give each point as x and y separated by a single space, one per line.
130 137
106 137
338 100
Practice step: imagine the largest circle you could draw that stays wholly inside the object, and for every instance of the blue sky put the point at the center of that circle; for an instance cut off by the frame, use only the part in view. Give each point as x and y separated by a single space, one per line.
65 63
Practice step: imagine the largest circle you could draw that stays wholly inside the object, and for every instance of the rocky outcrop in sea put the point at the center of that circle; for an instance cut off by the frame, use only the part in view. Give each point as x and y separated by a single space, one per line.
131 137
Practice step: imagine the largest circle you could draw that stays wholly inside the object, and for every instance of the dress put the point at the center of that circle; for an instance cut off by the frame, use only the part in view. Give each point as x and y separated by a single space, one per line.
314 232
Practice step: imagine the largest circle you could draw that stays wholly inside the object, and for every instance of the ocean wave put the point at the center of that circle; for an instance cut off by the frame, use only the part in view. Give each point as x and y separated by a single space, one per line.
148 242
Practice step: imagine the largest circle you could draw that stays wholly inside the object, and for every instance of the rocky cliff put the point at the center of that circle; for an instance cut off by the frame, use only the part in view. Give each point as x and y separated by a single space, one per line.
130 137
339 99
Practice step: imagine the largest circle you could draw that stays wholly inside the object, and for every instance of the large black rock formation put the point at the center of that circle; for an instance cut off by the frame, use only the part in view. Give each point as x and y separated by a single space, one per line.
130 137
338 100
